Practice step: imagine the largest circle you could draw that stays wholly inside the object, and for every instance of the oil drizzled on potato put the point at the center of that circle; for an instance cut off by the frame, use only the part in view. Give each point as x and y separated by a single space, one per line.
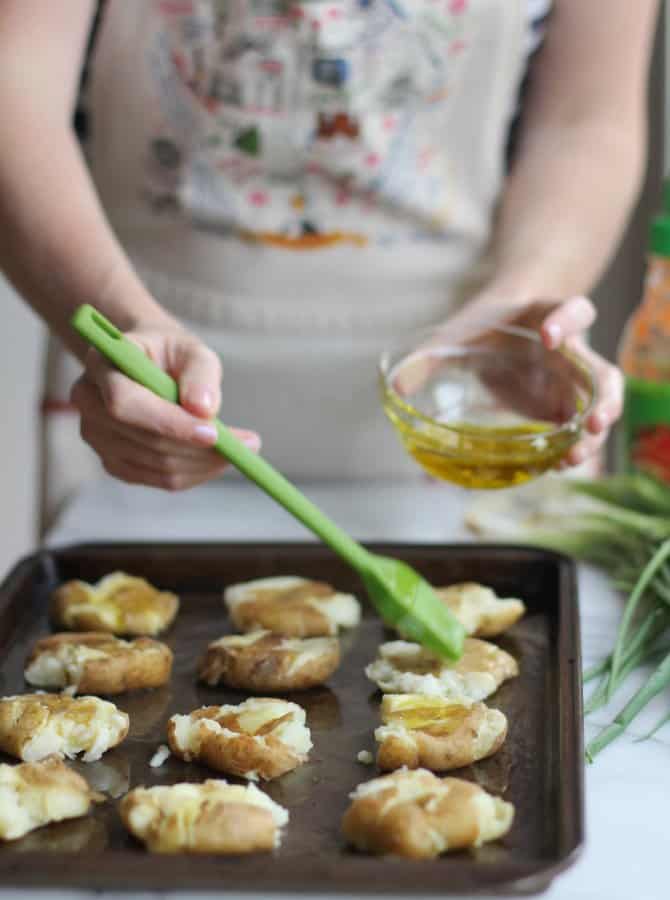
432 715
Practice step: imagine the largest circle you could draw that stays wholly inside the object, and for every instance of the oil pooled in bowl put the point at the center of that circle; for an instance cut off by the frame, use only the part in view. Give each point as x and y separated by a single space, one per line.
480 456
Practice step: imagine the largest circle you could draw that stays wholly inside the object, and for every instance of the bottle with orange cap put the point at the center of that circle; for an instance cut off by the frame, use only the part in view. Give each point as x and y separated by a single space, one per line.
644 357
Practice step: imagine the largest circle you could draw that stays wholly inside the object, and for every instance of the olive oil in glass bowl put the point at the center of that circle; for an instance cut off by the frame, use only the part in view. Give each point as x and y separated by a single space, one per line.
492 411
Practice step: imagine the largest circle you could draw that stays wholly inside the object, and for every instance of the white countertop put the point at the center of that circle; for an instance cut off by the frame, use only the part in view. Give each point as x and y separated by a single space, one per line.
627 789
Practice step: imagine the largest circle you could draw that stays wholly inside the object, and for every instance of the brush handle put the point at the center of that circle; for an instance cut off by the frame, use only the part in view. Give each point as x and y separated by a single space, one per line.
133 362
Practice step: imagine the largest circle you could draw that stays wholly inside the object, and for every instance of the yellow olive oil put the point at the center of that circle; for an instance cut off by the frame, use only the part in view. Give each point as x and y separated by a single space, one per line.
479 456
438 724
432 715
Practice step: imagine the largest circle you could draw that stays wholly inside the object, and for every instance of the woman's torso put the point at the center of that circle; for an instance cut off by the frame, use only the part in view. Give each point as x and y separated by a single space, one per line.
301 181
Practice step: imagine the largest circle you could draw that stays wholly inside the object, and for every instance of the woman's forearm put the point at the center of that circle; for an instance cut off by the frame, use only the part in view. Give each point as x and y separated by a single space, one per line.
55 243
581 152
565 207
56 246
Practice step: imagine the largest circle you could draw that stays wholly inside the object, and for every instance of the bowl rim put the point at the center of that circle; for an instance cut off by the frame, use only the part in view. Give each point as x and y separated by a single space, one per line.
385 372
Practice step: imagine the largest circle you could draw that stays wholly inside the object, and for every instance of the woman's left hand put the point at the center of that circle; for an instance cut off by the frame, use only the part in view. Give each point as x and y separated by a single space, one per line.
567 322
558 322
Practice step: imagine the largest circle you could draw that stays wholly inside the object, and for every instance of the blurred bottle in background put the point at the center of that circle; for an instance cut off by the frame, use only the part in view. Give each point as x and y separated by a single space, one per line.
644 357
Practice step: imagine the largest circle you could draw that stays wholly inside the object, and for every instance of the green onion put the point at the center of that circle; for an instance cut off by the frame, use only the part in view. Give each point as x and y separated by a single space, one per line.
659 680
644 580
653 626
621 524
656 728
599 669
643 657
635 492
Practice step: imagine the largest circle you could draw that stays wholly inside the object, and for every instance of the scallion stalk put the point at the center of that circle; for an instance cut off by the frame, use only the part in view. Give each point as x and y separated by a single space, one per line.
657 727
654 564
659 680
622 525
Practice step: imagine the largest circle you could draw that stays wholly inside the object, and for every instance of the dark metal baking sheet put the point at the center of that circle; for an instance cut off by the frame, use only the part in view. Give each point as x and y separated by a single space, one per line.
540 767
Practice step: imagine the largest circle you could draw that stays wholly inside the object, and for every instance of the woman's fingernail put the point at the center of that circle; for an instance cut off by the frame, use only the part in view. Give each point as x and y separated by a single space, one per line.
250 439
553 333
598 421
200 396
205 433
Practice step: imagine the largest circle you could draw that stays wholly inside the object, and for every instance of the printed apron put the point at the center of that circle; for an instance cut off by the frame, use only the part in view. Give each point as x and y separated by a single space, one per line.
300 183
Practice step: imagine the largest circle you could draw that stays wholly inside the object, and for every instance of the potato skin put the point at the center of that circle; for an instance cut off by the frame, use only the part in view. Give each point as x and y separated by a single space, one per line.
288 613
270 664
232 750
443 814
141 608
478 608
220 827
481 734
23 716
145 664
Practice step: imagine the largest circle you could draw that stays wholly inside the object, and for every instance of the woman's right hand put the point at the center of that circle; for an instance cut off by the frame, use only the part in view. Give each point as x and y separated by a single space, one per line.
142 439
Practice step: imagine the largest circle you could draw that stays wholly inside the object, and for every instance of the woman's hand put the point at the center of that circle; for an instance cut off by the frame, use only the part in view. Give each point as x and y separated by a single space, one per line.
558 322
143 439
567 322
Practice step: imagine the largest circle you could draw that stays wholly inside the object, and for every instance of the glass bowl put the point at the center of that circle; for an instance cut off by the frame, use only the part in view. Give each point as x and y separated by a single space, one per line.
490 410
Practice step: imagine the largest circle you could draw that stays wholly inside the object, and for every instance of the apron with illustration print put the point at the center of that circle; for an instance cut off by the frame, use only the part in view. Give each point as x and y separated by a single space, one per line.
300 183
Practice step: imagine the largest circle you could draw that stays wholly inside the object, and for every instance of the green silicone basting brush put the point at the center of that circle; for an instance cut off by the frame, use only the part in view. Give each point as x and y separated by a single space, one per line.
403 599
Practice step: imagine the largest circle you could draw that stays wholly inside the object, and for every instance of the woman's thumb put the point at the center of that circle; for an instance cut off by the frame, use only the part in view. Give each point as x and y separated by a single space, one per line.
199 375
